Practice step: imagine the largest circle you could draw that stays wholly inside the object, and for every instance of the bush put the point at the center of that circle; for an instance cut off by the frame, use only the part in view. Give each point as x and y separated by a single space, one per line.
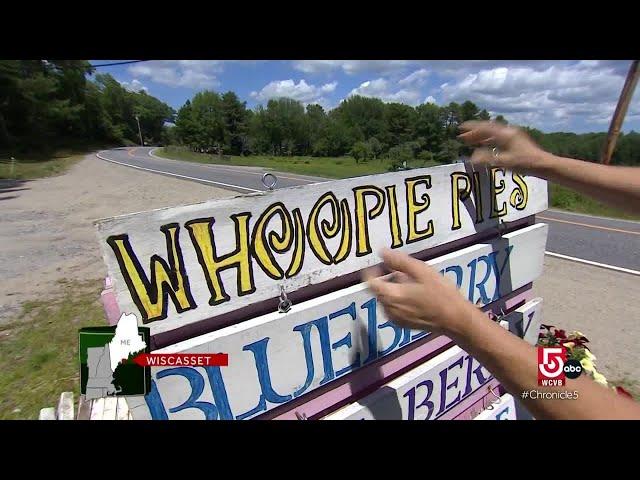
400 156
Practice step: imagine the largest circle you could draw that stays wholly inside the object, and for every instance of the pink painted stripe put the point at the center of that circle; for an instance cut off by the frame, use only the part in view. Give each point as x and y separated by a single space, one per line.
472 411
465 406
361 380
109 303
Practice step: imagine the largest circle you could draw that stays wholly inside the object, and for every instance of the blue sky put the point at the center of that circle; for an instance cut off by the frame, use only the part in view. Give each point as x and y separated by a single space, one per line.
558 95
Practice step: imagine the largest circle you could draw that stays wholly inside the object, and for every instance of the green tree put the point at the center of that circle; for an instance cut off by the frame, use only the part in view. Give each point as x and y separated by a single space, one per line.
361 152
234 113
400 122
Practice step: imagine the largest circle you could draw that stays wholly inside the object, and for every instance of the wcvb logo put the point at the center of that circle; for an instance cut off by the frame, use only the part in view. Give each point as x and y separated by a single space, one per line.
551 362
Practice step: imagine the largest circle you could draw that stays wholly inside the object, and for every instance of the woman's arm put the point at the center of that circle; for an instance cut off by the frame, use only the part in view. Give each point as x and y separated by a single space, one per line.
617 186
419 297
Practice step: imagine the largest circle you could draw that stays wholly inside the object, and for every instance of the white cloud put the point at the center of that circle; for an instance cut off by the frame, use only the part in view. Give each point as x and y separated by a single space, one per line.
382 88
557 95
350 66
416 78
134 86
301 91
180 73
430 99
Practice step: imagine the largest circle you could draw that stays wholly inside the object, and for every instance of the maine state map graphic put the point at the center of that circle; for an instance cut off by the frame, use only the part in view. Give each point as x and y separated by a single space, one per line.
106 353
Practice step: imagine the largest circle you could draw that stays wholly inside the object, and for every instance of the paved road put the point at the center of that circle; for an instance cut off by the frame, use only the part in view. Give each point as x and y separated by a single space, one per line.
602 240
238 179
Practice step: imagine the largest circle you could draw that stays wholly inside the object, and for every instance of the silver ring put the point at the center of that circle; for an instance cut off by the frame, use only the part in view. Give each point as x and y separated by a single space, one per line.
495 152
269 184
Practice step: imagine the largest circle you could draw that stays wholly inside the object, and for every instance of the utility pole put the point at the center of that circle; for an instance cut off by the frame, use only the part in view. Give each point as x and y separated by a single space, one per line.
620 112
139 131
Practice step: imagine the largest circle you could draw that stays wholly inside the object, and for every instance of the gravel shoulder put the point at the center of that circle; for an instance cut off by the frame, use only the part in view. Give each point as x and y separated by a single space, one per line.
47 232
602 304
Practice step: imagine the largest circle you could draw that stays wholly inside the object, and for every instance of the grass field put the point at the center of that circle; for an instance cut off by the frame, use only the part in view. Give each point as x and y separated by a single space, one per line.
39 349
566 199
329 167
343 167
29 169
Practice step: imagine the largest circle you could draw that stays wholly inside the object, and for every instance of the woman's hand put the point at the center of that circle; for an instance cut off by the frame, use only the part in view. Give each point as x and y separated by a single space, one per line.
417 296
514 149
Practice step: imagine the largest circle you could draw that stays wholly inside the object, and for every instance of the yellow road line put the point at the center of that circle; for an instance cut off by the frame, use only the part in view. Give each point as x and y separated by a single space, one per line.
598 227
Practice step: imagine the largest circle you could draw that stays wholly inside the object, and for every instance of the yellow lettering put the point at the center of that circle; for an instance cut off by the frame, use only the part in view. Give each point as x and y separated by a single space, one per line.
201 232
345 242
168 280
520 195
316 241
477 196
394 222
414 208
298 252
458 195
495 190
363 247
262 245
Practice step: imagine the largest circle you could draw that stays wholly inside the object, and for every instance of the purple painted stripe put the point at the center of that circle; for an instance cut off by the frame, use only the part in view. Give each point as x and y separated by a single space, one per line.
464 408
361 382
473 411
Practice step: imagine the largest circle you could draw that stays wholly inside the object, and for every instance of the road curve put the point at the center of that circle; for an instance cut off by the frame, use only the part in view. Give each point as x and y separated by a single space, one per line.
596 239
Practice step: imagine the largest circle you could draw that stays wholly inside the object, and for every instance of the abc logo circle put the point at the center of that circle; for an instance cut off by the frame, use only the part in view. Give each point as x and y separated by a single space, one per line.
572 369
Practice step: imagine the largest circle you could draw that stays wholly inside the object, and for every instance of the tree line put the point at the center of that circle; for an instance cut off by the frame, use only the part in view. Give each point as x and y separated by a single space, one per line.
364 128
50 104
57 103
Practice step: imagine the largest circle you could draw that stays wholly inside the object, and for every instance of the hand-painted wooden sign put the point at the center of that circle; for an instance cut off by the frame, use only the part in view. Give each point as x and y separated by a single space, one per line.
427 392
525 321
519 322
177 266
505 409
279 357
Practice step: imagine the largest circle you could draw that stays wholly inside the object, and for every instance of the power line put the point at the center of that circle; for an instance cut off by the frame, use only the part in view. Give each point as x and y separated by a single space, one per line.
117 63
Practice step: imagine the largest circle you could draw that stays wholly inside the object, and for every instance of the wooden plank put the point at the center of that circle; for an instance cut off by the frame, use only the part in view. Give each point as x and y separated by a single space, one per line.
48 413
473 411
97 409
65 407
355 385
279 357
110 408
505 409
84 409
427 392
178 266
122 412
525 321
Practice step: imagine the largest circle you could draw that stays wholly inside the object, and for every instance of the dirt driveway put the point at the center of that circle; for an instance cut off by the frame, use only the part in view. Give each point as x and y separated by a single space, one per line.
47 229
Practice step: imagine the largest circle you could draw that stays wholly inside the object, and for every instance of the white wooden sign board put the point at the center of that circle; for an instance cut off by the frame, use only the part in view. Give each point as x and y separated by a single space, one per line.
180 265
505 409
424 393
525 321
279 357
401 398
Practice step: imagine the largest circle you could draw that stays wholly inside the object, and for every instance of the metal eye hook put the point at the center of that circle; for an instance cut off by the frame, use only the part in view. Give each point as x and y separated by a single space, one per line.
502 227
285 304
269 185
495 402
